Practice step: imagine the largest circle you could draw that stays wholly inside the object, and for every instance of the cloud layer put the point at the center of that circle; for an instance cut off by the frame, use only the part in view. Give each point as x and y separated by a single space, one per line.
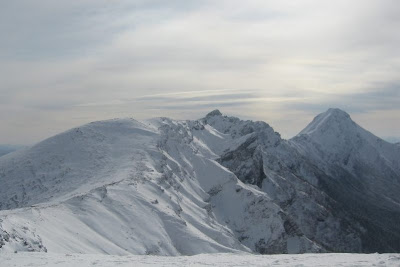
65 63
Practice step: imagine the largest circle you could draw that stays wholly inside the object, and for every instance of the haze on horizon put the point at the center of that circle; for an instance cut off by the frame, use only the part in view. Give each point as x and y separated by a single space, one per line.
66 63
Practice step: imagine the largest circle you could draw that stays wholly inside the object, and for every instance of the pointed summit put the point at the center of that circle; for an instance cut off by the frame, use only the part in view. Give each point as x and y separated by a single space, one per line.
337 113
333 119
335 137
213 113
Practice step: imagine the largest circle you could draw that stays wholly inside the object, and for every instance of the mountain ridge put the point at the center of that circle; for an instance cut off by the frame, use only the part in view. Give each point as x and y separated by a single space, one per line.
229 184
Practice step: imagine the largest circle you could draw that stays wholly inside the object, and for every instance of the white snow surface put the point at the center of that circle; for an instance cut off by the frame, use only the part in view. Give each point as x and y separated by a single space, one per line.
127 187
156 187
337 138
67 260
334 139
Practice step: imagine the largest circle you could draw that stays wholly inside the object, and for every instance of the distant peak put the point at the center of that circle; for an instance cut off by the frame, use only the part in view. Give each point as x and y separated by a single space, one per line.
213 113
337 112
327 120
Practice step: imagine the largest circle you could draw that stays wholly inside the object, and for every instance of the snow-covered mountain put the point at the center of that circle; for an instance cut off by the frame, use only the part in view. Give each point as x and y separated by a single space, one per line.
363 175
217 184
5 149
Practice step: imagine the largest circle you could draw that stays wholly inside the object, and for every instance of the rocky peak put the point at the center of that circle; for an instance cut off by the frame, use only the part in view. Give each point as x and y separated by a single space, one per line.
214 113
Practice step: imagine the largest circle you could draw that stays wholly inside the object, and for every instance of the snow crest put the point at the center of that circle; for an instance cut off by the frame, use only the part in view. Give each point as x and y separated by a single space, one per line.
217 184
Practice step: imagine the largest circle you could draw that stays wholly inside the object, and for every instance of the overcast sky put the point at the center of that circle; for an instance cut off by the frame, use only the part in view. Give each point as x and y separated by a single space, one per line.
65 63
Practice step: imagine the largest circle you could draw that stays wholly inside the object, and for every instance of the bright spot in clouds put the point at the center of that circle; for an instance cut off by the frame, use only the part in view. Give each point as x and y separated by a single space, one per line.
65 63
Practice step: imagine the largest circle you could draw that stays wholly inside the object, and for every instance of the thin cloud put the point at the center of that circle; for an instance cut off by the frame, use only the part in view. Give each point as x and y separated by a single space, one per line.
99 59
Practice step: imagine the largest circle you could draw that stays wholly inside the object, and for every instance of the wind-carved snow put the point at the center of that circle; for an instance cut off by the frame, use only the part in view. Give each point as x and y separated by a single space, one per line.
217 184
122 187
121 194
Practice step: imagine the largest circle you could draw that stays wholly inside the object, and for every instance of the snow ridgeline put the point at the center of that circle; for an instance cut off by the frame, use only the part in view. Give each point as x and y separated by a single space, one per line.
218 184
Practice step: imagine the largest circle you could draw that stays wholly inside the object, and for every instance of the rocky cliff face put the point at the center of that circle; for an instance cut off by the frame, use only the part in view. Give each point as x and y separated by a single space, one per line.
217 184
292 181
363 175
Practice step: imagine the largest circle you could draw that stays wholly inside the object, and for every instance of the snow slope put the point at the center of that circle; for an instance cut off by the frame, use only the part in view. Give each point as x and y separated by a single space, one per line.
5 149
338 139
363 175
217 184
128 187
66 260
263 159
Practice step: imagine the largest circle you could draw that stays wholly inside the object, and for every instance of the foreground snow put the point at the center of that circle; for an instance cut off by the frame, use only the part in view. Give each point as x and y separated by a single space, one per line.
59 260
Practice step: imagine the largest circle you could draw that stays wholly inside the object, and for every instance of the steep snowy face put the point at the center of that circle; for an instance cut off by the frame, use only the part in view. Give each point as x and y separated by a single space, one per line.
109 187
338 139
75 162
333 139
123 186
217 184
332 120
258 156
253 217
334 133
363 174
332 179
